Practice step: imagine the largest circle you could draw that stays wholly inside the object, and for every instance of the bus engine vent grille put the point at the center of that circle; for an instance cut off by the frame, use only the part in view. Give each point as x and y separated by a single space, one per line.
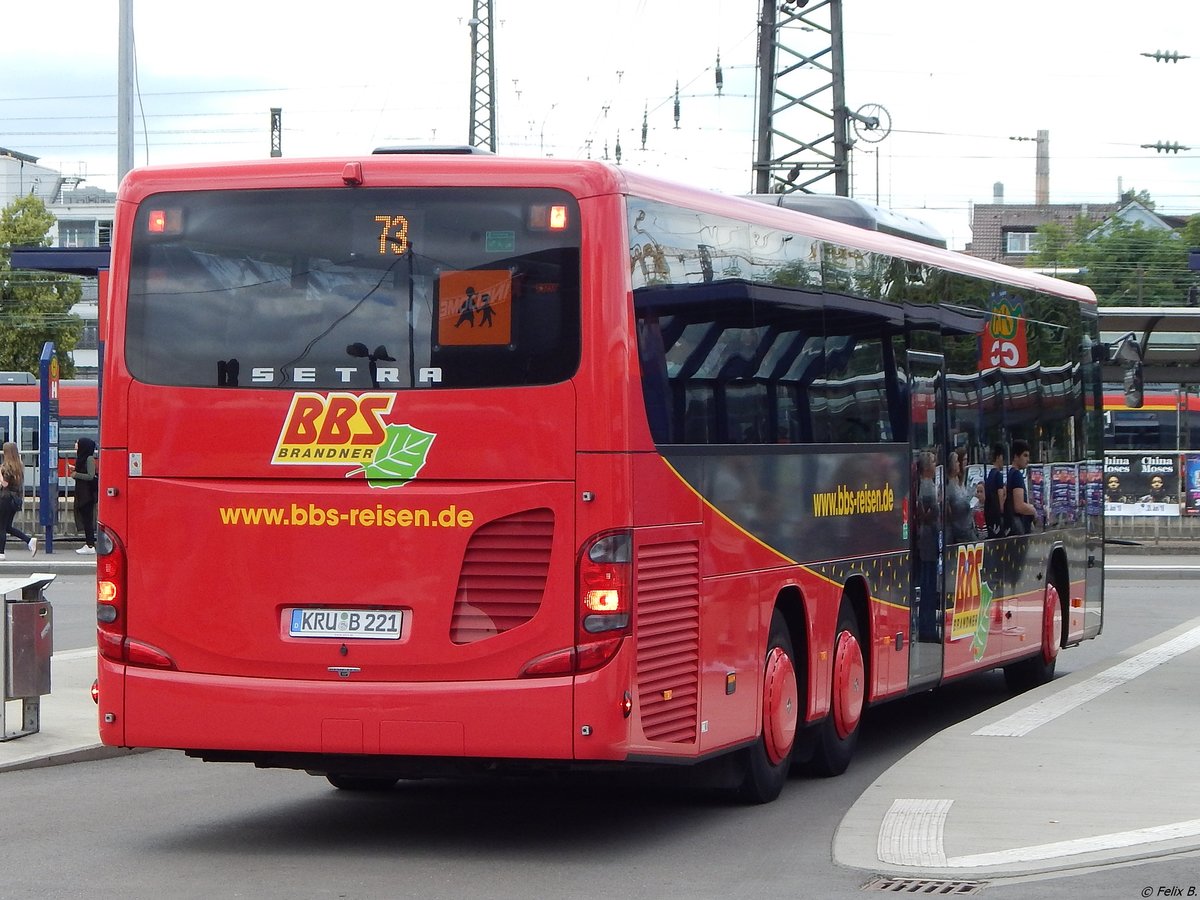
503 576
668 640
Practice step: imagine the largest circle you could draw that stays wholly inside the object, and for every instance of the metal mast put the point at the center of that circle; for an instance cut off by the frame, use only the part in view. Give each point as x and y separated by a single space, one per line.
802 91
125 81
483 78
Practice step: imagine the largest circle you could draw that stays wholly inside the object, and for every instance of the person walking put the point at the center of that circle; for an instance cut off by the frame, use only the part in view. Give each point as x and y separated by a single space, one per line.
12 497
86 493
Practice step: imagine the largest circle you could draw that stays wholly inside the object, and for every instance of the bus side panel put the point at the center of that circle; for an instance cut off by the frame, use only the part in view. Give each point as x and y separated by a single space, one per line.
610 414
977 598
112 513
890 627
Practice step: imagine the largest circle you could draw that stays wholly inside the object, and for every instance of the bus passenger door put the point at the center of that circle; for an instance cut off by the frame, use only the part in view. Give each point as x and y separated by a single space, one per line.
927 407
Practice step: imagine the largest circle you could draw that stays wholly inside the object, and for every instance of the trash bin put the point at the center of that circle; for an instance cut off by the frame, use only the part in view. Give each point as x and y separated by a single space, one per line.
27 636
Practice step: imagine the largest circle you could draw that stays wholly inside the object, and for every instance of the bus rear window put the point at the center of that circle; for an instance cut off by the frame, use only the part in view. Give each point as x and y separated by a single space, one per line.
355 289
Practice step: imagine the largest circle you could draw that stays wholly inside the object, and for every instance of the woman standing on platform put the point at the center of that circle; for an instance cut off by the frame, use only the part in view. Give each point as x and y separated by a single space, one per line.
12 496
84 474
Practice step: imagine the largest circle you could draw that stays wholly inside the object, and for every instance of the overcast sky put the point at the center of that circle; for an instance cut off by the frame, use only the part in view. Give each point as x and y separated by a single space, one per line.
958 78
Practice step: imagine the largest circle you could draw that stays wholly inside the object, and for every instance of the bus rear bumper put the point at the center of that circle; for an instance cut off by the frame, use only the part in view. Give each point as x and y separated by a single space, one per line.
248 716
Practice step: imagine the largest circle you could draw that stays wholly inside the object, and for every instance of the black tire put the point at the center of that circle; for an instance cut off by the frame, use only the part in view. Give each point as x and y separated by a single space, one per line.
833 750
761 779
360 782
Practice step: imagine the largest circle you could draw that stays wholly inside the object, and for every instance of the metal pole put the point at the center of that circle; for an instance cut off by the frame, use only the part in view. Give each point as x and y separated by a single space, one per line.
125 89
841 118
766 96
474 23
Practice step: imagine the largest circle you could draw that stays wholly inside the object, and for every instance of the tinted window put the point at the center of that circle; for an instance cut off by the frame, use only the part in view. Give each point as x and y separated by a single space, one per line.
355 289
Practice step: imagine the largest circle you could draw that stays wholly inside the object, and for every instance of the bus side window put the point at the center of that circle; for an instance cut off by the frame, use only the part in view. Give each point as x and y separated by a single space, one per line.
699 418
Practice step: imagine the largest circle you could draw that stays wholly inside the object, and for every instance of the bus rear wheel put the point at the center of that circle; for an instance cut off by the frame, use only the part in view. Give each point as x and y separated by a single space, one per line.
837 736
764 765
1039 670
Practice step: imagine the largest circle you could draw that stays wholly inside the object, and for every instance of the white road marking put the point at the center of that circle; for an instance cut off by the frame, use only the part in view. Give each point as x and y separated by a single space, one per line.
913 833
1047 710
81 653
1149 569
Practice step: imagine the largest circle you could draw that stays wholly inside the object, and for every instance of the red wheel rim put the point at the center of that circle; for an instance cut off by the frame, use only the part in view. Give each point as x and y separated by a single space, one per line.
1051 624
781 706
848 676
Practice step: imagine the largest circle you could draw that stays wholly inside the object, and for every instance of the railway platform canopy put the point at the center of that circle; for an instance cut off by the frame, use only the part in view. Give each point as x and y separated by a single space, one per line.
68 260
1168 336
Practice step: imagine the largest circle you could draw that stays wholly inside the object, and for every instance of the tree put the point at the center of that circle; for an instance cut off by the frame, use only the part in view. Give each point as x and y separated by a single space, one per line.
35 306
1125 263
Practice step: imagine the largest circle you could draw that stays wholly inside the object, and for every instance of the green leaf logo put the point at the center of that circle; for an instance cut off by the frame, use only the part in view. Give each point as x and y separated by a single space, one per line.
399 458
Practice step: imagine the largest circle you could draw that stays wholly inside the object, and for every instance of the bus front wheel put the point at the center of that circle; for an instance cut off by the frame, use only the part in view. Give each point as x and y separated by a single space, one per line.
764 765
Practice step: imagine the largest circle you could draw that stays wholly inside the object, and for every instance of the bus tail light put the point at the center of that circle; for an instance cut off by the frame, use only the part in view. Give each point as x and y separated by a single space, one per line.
110 595
112 640
605 609
605 598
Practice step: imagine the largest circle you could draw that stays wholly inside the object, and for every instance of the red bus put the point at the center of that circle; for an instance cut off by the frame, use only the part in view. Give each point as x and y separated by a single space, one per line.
424 464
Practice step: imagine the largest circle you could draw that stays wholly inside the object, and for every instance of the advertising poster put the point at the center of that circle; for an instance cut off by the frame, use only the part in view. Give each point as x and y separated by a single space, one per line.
1064 492
1035 486
1141 484
1192 469
1093 488
975 478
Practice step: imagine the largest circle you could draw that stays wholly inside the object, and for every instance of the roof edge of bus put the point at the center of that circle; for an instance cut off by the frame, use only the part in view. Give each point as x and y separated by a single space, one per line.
593 178
819 227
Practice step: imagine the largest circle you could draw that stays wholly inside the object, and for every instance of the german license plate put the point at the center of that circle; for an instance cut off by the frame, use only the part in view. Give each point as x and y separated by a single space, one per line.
380 624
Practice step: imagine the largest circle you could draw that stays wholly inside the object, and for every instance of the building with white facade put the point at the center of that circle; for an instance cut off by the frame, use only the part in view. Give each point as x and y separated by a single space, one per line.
83 218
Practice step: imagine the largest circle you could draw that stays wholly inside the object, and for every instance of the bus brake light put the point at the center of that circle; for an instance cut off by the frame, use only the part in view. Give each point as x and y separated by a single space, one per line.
605 598
110 595
605 583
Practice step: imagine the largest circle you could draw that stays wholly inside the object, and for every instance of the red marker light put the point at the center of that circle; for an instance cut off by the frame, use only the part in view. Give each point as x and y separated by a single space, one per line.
165 221
544 217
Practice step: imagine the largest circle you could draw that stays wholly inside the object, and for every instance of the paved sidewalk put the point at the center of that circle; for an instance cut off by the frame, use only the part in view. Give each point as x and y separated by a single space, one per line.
69 729
1094 768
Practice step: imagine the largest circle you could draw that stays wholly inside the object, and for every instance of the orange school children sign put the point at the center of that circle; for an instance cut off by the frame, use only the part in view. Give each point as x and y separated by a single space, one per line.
475 308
